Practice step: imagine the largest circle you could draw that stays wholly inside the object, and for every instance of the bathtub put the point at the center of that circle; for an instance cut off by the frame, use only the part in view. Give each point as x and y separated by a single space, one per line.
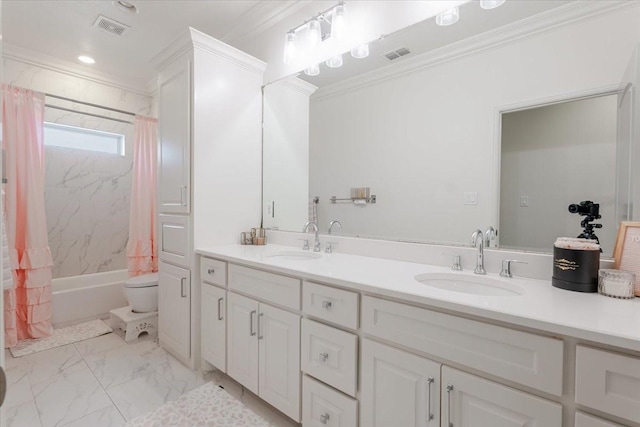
86 297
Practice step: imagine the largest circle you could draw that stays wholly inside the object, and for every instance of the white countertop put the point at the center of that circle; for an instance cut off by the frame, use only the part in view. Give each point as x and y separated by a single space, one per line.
588 316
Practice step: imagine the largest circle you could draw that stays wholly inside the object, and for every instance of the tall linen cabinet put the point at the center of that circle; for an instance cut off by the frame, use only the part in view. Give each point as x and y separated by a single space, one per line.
209 171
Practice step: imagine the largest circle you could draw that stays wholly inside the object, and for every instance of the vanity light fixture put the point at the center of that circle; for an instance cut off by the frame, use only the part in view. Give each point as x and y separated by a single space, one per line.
312 28
360 52
491 4
290 47
313 70
335 62
126 6
448 17
86 59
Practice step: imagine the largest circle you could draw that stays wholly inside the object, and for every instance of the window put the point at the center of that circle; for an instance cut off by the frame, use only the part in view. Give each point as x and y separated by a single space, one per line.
83 139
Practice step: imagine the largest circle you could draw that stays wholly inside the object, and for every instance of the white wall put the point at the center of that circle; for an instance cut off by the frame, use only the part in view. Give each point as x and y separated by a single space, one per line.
423 138
286 156
555 156
86 193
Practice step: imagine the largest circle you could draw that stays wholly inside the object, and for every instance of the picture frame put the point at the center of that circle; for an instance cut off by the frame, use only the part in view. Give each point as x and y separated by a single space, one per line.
626 253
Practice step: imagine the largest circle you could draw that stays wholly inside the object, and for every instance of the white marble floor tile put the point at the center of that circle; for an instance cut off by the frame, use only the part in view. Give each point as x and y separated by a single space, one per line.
18 388
23 415
45 365
68 398
107 417
142 395
178 375
99 344
118 365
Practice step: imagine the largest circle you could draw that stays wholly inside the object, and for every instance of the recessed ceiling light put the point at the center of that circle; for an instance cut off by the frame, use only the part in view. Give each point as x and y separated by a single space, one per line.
86 59
126 6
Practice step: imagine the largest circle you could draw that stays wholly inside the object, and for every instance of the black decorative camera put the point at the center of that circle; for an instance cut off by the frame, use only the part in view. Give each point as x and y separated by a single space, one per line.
591 212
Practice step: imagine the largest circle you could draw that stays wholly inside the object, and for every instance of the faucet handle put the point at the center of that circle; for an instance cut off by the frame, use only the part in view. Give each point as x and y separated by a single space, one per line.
305 245
506 266
456 266
330 246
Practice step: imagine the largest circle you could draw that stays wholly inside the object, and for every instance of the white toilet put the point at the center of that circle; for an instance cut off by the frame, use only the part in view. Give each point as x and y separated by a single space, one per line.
141 315
142 293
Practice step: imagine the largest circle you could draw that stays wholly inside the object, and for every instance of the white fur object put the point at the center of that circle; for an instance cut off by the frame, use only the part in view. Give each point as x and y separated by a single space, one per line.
208 405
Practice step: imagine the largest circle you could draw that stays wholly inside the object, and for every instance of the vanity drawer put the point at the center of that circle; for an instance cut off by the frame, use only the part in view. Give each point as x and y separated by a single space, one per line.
522 357
584 420
333 305
330 355
608 382
213 271
323 406
281 290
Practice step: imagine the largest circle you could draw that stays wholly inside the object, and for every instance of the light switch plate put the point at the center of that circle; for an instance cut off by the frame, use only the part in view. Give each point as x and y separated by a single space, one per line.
524 201
471 198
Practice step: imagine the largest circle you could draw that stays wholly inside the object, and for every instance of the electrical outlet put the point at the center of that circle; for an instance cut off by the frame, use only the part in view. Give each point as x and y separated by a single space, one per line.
471 198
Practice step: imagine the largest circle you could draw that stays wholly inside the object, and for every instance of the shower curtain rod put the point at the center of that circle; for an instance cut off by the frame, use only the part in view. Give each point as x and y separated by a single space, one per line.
90 104
88 114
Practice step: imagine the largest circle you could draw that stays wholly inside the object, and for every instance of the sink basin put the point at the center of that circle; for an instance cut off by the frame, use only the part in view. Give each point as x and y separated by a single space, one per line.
294 255
466 284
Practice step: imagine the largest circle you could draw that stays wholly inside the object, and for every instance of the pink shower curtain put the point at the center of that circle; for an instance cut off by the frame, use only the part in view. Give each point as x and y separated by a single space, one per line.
142 248
27 306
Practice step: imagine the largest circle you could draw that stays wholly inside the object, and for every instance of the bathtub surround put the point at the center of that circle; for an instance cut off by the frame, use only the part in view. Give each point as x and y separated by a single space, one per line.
87 194
142 249
27 309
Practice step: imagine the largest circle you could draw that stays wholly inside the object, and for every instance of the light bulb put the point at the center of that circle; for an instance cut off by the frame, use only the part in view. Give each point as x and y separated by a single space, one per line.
313 70
448 17
289 47
491 4
338 24
334 62
360 52
315 33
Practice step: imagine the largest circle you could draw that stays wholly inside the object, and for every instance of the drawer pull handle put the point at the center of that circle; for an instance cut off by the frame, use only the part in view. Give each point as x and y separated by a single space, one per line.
324 418
183 292
323 356
326 305
449 390
251 331
430 381
211 271
260 336
220 308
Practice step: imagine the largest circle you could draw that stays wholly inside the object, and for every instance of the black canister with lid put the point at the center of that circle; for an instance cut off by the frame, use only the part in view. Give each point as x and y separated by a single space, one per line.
575 264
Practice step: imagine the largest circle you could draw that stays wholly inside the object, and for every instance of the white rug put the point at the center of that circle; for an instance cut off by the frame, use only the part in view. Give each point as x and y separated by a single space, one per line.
206 406
62 336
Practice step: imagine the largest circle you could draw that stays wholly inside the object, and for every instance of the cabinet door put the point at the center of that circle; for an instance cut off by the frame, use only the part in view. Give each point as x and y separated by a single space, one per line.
214 339
398 388
242 334
470 401
279 337
174 132
174 309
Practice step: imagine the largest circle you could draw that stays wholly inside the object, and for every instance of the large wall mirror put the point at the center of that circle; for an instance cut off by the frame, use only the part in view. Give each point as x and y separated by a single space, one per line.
502 123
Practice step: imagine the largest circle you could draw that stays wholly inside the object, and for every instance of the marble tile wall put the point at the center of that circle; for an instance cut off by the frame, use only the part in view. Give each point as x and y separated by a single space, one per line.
86 193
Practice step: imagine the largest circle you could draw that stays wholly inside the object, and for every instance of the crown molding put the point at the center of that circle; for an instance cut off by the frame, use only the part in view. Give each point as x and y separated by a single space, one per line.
29 57
297 84
527 27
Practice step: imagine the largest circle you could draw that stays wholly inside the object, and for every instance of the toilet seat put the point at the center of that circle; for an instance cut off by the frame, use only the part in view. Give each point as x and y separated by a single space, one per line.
142 281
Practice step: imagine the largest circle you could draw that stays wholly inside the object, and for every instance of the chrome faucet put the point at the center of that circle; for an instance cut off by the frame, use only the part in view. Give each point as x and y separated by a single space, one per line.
316 244
477 240
334 222
490 235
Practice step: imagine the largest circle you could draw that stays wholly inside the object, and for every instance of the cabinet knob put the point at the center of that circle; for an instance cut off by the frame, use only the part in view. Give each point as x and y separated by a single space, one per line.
324 418
323 356
326 305
211 271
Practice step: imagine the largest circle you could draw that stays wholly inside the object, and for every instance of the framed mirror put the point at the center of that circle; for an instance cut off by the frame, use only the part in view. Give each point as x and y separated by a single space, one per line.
424 132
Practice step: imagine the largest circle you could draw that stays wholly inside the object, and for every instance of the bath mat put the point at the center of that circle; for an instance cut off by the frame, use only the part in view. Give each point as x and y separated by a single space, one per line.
62 336
206 406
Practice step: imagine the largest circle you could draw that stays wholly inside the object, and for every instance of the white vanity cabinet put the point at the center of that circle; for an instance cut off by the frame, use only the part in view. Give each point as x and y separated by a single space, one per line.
174 302
263 351
213 331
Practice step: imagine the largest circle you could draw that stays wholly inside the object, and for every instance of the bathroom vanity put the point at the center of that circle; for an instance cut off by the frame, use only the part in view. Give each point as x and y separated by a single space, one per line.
347 340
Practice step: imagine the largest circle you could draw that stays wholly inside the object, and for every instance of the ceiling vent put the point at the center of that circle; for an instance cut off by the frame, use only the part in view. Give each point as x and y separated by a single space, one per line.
111 26
395 54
